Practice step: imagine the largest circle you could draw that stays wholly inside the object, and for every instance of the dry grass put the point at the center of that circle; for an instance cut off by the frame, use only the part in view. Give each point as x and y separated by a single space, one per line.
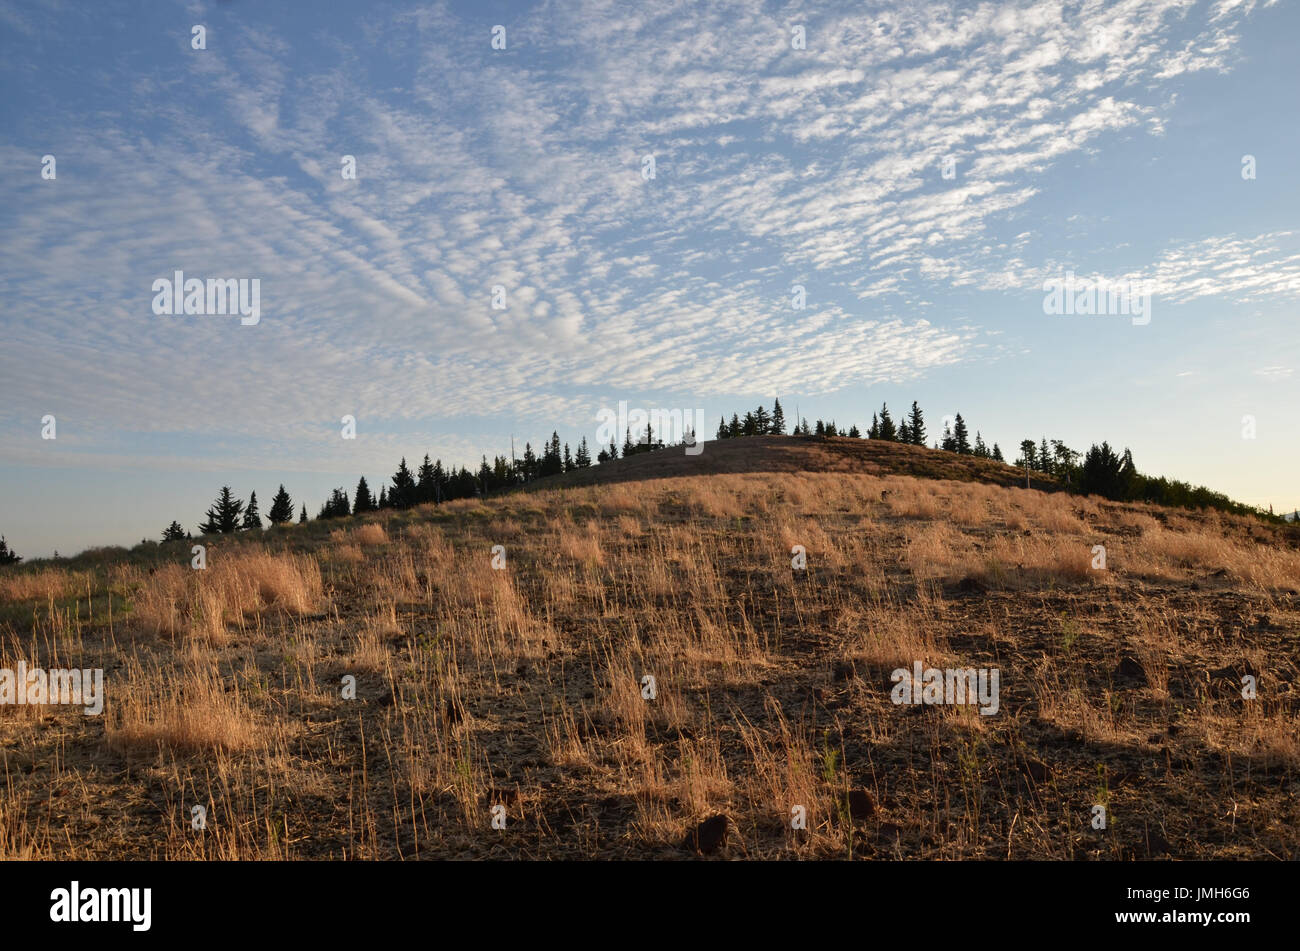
525 686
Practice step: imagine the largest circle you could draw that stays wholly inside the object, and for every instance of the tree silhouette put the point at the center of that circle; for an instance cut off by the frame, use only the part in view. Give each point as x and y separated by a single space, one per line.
403 493
887 430
7 556
281 508
916 425
252 519
362 500
960 436
223 516
173 532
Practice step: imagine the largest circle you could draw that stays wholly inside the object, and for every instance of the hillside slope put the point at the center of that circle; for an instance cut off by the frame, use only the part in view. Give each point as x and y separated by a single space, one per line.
500 651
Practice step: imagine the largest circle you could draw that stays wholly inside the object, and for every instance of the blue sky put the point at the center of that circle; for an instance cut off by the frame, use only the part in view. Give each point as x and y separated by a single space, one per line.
1102 138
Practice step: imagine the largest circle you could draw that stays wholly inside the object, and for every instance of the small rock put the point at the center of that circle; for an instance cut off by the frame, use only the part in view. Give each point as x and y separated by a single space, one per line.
861 805
707 837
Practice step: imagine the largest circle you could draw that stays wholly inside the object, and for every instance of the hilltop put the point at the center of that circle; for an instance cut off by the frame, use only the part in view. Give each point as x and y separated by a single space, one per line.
500 650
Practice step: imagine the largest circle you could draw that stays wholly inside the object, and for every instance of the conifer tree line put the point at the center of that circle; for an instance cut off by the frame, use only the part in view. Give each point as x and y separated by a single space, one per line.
1100 471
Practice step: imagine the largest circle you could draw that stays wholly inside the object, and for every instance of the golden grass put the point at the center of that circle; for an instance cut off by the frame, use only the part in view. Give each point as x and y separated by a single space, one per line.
524 685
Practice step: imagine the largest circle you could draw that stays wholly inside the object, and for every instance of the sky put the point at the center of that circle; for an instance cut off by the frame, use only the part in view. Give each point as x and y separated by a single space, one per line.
643 187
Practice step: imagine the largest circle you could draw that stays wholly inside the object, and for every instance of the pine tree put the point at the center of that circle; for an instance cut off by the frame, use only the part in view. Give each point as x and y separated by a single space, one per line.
723 431
1028 455
569 465
735 429
887 430
960 436
762 422
361 499
777 427
916 425
281 508
173 532
949 442
981 450
302 519
383 497
904 433
223 516
252 518
821 428
584 455
874 431
854 432
997 454
403 493
7 555
1044 457
425 482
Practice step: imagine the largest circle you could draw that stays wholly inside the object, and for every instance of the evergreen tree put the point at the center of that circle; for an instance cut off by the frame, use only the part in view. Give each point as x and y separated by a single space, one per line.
223 516
960 436
723 431
777 427
949 442
173 532
1128 476
302 519
584 455
361 499
425 483
854 432
1044 457
252 518
1101 473
916 425
404 491
629 447
762 422
735 429
904 433
281 508
7 555
887 430
1028 455
821 428
997 454
874 431
569 464
981 450
383 497
337 506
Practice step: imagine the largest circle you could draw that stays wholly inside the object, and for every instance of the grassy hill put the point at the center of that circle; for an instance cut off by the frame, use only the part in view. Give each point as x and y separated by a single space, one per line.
523 685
